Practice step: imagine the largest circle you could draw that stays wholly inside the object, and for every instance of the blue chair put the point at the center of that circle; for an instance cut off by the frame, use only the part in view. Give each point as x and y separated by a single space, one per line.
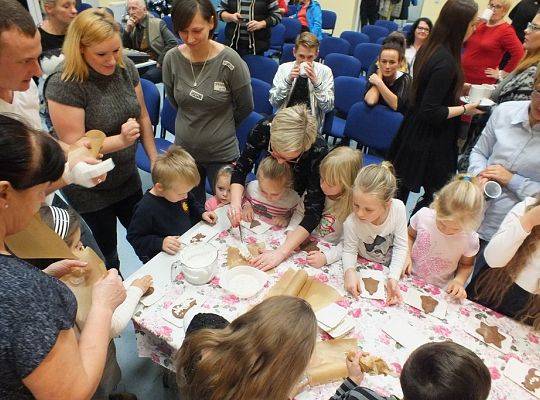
381 40
287 54
373 128
390 25
261 95
221 36
168 21
329 21
354 39
343 65
242 132
167 118
367 53
83 6
152 100
260 67
143 162
374 32
347 91
333 45
293 27
292 9
277 38
406 29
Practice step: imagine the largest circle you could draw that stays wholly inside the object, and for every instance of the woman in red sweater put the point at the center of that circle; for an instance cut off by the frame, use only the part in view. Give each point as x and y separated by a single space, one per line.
486 47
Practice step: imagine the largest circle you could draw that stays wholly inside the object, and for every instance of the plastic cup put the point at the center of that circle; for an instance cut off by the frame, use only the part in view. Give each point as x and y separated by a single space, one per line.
476 93
96 139
487 14
492 190
303 69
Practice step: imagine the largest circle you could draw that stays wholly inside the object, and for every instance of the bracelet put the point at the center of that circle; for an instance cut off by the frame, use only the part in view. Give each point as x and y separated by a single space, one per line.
464 109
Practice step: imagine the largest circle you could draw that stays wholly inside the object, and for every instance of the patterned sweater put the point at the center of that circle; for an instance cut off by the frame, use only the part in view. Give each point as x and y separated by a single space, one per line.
350 391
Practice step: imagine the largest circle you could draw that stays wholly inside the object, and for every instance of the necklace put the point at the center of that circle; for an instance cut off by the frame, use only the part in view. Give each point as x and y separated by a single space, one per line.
202 69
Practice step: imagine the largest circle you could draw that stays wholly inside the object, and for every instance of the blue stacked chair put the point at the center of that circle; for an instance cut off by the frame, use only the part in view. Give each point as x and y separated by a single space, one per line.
167 118
221 36
293 27
277 38
381 40
287 54
292 10
373 128
375 32
329 21
343 65
168 21
406 29
354 38
333 45
261 95
262 68
390 25
367 54
83 6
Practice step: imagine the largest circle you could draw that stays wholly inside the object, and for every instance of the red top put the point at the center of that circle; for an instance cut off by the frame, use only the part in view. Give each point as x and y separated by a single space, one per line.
302 15
283 4
485 49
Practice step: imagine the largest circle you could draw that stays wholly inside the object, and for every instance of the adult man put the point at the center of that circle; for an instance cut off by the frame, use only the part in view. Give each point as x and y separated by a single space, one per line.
304 81
148 34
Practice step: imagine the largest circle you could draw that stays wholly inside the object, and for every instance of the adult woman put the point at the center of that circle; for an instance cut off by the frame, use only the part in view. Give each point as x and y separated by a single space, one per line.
424 151
97 88
290 137
416 38
36 308
310 16
249 24
510 283
53 31
387 85
485 48
210 85
260 355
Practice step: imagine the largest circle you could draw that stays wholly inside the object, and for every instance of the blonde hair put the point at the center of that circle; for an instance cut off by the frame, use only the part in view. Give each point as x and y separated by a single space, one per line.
378 180
226 170
260 355
175 165
293 129
506 4
460 200
90 27
270 169
307 39
340 168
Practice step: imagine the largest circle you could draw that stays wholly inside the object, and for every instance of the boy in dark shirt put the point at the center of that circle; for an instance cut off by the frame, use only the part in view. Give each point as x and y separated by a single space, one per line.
167 210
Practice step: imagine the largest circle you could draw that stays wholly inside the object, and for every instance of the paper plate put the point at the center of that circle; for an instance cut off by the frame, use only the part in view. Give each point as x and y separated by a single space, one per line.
483 102
243 281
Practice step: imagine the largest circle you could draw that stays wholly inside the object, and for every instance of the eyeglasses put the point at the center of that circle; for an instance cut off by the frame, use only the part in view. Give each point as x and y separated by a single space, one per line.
532 27
496 6
278 156
422 29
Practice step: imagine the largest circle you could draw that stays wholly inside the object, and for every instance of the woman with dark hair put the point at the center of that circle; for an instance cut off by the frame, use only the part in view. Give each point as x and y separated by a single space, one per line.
387 84
416 38
37 311
211 87
424 151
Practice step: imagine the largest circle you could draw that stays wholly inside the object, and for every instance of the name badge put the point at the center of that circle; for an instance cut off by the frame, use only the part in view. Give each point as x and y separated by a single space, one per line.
196 95
220 87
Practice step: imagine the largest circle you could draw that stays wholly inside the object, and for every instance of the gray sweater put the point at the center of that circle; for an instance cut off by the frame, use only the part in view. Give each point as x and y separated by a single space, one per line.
108 102
208 113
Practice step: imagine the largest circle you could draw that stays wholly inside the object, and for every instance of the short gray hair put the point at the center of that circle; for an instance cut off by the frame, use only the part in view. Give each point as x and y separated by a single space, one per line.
141 3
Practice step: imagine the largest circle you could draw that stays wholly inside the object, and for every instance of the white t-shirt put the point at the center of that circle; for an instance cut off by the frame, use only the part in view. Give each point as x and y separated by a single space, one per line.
410 55
285 207
25 105
435 255
505 243
385 244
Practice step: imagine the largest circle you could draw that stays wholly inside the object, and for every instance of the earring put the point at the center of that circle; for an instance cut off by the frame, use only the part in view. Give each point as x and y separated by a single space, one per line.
6 205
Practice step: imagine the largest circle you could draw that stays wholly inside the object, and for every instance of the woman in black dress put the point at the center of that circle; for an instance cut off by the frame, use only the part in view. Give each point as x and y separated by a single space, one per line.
424 151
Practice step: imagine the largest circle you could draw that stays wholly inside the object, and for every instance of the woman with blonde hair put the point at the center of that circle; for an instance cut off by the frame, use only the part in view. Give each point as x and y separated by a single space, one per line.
511 284
96 87
260 355
290 137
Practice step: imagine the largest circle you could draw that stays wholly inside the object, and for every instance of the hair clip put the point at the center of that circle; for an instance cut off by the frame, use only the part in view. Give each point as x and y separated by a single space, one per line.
467 178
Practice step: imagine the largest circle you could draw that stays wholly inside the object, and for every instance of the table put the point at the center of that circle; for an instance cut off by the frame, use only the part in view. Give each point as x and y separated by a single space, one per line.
158 339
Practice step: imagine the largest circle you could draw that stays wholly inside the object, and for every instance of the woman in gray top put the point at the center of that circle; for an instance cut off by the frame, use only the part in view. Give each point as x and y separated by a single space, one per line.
98 88
211 87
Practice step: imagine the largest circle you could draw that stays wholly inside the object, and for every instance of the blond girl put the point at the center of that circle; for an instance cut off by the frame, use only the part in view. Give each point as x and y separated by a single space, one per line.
271 197
442 238
260 355
376 229
222 189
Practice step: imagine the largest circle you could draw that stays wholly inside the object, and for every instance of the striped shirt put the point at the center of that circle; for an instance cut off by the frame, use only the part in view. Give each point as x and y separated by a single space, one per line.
350 391
285 207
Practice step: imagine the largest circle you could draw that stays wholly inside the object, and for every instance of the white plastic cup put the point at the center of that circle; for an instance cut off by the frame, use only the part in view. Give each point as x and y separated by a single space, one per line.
488 90
492 190
476 93
487 14
303 72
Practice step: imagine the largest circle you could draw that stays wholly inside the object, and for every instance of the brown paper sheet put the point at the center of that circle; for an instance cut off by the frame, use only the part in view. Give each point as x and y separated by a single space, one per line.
328 361
295 286
37 240
96 138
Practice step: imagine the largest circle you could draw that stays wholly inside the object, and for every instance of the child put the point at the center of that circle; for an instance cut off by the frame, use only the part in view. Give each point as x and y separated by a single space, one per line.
442 238
338 171
222 189
442 371
271 196
377 228
167 210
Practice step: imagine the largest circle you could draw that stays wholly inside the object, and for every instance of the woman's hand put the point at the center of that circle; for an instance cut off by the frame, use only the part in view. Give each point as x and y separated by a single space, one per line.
472 109
63 267
268 259
492 73
131 130
255 25
109 292
235 214
316 259
375 80
247 212
210 217
143 283
393 293
456 290
171 245
353 368
352 283
498 174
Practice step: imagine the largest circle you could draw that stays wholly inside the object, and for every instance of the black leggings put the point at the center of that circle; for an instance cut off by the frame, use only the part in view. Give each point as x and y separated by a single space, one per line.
103 226
369 12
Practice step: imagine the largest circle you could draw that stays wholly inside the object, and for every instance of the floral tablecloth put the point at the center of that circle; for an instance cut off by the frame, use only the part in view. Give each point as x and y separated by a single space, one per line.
159 340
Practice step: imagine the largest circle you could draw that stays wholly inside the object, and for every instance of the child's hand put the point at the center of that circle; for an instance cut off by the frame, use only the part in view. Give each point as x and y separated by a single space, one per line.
247 212
393 293
316 259
407 269
352 283
282 222
456 290
143 283
353 368
210 217
171 245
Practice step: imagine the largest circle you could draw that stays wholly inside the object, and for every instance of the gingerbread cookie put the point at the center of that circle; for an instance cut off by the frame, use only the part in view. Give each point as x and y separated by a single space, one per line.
197 238
148 292
371 285
491 334
235 258
309 245
428 304
532 380
372 365
179 311
254 224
